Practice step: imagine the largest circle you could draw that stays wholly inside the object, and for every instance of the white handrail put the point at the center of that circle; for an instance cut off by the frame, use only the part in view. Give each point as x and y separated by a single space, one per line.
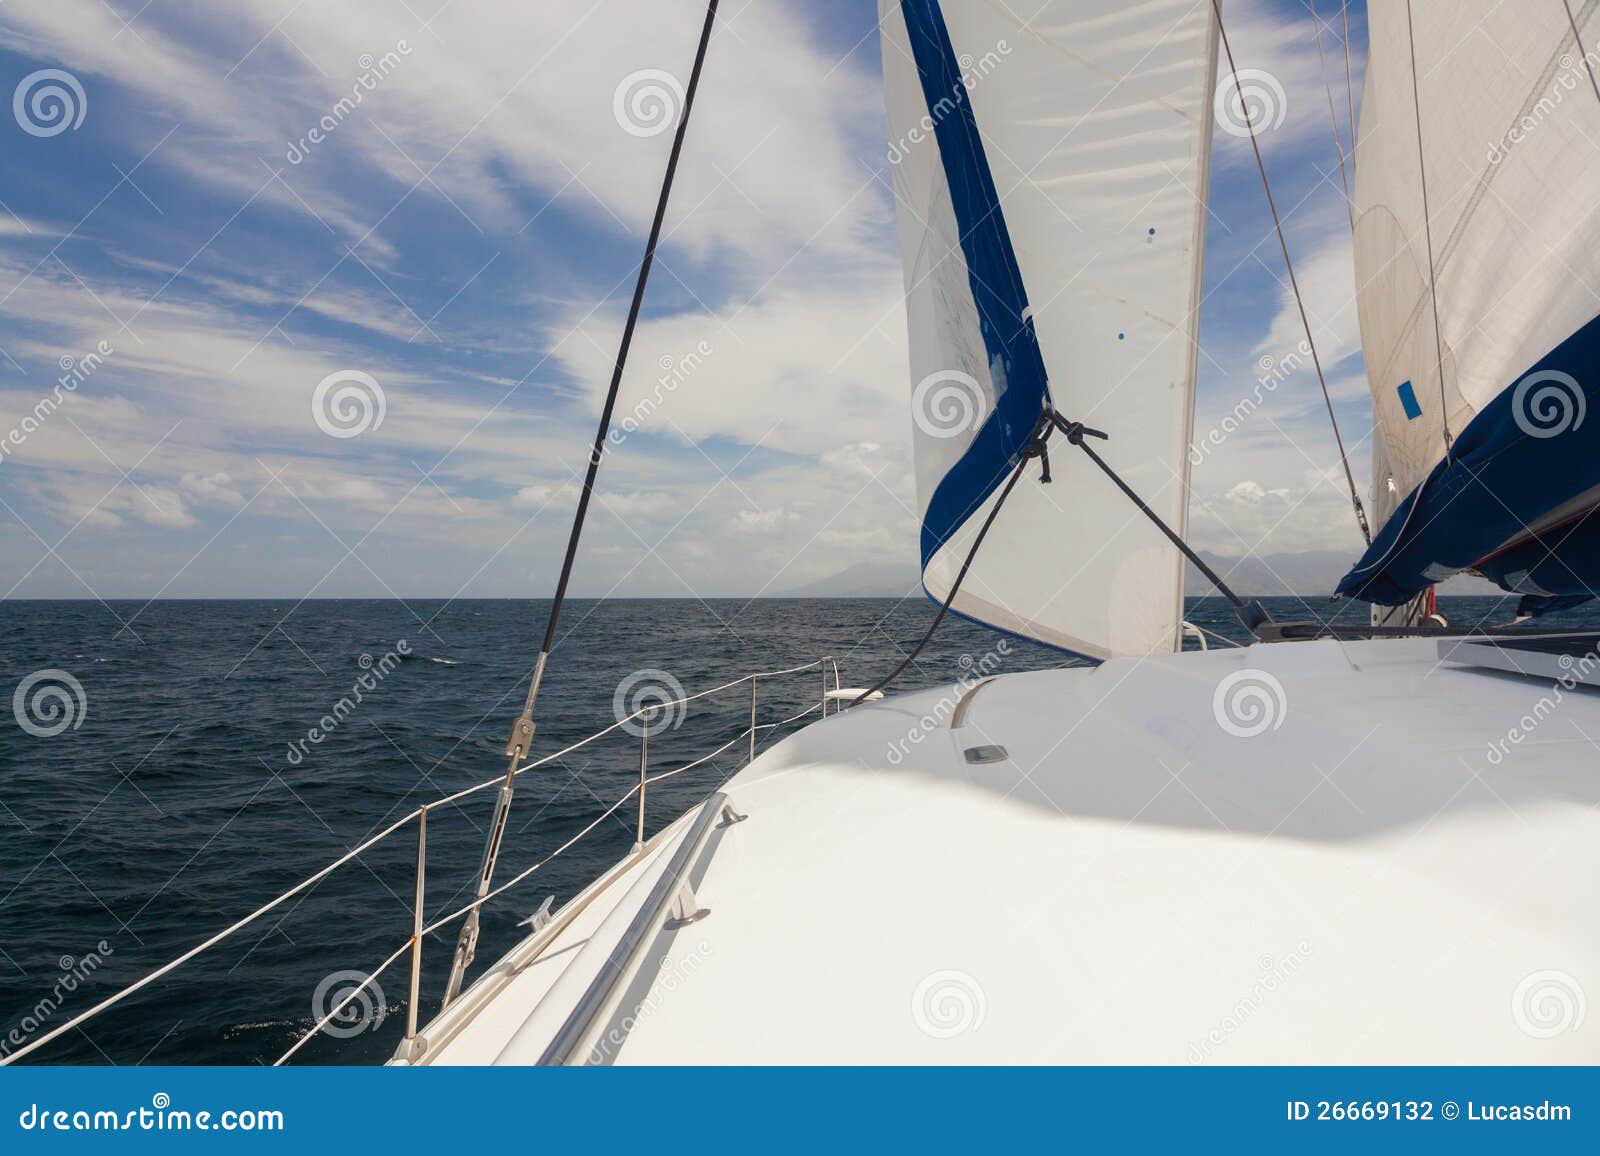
118 996
342 1004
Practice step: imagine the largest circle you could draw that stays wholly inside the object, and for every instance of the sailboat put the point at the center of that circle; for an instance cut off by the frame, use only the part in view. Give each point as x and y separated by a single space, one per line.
1334 845
1367 847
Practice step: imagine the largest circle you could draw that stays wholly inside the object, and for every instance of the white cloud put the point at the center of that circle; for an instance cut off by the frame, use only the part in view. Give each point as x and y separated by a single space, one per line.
494 100
779 263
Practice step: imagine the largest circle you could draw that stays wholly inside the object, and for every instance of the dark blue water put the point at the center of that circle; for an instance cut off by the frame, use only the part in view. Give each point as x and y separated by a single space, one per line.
189 792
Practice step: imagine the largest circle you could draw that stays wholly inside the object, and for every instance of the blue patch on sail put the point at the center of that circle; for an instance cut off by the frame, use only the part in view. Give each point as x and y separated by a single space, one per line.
1408 401
1016 365
1532 449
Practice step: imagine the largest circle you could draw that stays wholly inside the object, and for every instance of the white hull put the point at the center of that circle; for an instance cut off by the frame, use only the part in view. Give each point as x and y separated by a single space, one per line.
1382 875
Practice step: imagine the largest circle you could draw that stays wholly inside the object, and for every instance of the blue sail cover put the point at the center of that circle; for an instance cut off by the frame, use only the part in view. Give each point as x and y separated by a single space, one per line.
1478 313
1514 500
1016 367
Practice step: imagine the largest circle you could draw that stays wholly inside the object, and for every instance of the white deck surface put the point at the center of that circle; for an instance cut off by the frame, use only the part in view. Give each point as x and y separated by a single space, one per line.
1363 883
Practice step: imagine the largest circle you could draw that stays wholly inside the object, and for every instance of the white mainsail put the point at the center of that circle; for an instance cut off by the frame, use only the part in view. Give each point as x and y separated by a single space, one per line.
1510 189
1093 121
1480 141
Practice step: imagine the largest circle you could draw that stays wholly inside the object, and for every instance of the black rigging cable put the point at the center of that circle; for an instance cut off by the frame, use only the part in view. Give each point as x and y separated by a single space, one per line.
522 728
1349 84
1355 496
1333 117
1577 38
1252 614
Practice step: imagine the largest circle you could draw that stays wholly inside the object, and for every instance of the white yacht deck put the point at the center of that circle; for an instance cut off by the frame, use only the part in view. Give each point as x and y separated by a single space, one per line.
1140 879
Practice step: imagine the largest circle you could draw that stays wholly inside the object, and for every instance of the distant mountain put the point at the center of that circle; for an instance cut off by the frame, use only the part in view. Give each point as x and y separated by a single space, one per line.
862 580
1311 573
1314 572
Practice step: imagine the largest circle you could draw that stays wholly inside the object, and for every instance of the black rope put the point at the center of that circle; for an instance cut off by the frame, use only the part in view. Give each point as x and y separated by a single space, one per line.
1252 614
1035 448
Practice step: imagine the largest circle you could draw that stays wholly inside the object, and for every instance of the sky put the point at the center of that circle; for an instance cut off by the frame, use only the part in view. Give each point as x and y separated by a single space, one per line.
321 346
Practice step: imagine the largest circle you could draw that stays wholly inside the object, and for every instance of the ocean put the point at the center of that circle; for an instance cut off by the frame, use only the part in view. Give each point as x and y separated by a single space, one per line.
184 762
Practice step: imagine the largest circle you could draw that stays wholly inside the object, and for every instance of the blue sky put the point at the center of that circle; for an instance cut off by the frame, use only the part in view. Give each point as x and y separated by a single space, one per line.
464 236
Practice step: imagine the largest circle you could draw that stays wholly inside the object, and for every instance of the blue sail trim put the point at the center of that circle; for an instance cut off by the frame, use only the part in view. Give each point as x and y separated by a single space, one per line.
1517 460
1016 367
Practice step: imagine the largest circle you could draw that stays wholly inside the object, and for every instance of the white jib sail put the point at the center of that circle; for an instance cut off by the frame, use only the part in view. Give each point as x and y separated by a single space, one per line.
1094 119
